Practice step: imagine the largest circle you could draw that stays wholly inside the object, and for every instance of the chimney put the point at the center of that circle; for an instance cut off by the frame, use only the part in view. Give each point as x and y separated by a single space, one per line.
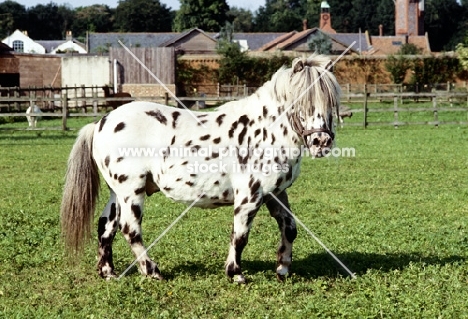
380 30
69 36
304 25
25 32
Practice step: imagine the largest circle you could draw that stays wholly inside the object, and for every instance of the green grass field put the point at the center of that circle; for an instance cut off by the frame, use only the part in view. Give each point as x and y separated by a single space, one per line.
396 214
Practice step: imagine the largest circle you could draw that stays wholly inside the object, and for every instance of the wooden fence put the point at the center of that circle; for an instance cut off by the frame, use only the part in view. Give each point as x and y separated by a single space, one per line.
439 101
161 61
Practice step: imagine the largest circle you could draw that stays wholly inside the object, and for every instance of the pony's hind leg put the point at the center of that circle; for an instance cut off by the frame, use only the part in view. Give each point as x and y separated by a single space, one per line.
107 228
288 230
131 211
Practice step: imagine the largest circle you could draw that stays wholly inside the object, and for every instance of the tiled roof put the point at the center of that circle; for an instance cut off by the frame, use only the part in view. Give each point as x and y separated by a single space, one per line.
340 41
144 40
264 41
347 39
421 42
391 44
296 37
272 45
257 40
50 45
177 36
4 47
96 40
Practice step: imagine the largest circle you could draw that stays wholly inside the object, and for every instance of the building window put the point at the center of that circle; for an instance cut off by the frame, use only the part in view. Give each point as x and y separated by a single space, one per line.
18 46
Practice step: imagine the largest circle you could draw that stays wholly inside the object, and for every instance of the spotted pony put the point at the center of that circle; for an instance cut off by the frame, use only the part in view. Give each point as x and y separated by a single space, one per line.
290 113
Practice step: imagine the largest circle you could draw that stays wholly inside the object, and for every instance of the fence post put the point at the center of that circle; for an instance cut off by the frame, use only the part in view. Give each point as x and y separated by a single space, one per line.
17 95
395 111
95 101
33 122
365 105
166 98
434 105
64 110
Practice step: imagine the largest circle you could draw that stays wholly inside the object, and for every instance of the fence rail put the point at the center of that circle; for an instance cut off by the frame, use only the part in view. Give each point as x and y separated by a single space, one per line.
437 98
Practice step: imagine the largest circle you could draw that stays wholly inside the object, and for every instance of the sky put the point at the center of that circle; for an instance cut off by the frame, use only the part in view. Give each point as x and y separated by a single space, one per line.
252 5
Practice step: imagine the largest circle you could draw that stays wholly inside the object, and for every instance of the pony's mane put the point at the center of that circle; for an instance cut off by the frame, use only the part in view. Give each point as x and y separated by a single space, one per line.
313 86
302 88
308 85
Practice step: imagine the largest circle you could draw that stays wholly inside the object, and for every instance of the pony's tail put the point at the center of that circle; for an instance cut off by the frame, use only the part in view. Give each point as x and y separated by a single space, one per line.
80 192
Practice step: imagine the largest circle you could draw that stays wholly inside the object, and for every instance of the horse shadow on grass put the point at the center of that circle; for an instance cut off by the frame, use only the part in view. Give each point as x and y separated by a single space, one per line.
322 265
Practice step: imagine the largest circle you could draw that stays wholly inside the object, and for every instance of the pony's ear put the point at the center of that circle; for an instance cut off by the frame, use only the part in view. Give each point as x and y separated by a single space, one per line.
298 66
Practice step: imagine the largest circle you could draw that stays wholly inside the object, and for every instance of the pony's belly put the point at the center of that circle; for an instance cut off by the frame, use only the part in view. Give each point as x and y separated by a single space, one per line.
201 190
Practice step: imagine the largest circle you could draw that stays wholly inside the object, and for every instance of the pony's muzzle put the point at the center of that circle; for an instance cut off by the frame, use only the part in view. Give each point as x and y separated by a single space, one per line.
320 144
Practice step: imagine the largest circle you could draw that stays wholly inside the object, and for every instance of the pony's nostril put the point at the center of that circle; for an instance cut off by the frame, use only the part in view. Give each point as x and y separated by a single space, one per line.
316 142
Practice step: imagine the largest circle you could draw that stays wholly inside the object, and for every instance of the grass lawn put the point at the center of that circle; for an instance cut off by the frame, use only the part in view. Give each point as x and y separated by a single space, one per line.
396 214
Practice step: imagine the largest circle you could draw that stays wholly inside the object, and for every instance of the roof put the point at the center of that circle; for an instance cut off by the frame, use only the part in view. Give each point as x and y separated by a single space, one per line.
340 42
274 43
297 37
347 39
51 45
392 44
96 40
180 36
5 48
257 40
144 40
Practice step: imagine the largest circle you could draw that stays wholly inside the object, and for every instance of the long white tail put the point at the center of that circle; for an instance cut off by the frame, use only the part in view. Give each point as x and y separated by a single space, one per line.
80 192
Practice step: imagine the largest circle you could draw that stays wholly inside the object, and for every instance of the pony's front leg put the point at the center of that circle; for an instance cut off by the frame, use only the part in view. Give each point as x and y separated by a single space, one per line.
287 227
131 210
107 228
245 209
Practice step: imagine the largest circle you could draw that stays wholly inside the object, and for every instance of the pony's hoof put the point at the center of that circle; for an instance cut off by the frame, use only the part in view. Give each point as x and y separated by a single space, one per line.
109 276
156 276
280 278
240 279
281 272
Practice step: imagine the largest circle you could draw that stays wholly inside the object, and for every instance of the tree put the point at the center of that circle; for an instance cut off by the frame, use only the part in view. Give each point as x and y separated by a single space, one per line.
340 12
409 49
12 17
207 15
320 43
462 52
241 19
397 65
362 14
95 18
432 70
385 16
53 20
143 16
442 18
233 63
280 16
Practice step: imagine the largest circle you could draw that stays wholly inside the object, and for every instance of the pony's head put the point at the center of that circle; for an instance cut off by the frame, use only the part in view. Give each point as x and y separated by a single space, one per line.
313 95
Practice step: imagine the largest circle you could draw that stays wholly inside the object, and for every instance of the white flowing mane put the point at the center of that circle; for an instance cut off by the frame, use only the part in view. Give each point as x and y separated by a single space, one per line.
305 87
